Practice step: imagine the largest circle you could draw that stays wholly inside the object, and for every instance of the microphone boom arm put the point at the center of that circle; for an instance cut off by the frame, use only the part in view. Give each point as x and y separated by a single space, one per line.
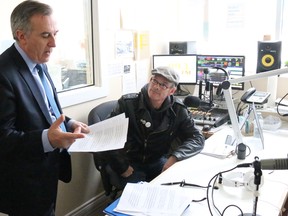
226 85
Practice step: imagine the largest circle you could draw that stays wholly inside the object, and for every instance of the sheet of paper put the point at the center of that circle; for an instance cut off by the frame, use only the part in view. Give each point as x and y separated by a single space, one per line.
149 199
106 135
220 149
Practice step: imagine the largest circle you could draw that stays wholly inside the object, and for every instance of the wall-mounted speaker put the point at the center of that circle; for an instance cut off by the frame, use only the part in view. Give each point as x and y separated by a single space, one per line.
269 56
182 47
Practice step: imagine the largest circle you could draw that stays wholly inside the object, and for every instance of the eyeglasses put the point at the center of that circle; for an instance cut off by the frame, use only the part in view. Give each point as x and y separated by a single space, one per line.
156 82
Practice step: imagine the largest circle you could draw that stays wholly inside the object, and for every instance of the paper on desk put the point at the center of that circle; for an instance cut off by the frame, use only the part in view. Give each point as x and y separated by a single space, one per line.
105 135
216 146
153 200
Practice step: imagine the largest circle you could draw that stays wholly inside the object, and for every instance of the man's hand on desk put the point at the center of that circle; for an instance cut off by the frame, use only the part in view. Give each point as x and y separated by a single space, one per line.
207 134
171 160
206 131
128 172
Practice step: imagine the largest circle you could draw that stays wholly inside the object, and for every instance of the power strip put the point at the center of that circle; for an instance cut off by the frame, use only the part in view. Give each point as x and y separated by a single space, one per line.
261 106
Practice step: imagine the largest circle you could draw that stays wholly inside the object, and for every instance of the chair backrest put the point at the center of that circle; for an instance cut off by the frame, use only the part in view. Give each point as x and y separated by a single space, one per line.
101 112
97 114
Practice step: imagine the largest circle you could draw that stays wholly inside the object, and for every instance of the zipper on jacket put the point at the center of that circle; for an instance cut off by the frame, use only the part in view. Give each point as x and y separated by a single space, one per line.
144 155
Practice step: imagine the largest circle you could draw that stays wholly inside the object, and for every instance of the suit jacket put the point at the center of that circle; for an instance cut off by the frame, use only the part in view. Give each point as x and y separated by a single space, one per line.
29 177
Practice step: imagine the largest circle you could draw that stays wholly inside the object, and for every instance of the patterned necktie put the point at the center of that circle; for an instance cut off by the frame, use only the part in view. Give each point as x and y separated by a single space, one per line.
49 95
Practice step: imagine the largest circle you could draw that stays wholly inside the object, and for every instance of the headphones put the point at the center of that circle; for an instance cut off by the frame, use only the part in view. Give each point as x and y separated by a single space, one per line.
239 179
219 91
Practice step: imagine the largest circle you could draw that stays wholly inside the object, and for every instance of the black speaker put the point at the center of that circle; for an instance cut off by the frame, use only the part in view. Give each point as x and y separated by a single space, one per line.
185 47
269 56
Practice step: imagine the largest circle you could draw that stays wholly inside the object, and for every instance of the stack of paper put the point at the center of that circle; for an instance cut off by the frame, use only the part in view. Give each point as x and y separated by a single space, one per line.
153 200
105 135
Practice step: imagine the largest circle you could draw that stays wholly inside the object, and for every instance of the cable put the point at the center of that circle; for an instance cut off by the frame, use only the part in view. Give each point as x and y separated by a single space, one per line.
249 150
199 200
232 206
207 192
280 105
212 195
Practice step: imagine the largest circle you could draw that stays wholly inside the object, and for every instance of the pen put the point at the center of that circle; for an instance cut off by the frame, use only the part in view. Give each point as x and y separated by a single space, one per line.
171 183
183 184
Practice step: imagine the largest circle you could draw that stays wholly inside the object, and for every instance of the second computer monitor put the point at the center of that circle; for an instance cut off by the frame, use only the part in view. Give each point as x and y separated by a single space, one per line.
217 65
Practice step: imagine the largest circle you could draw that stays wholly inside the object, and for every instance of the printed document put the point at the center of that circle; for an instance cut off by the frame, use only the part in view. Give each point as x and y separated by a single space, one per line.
223 147
106 135
139 199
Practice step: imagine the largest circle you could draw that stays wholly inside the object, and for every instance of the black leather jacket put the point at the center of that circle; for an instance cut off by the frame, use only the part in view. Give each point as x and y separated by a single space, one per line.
154 133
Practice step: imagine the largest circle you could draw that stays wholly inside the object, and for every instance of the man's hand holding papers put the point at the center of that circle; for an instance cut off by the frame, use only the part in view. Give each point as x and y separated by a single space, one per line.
109 134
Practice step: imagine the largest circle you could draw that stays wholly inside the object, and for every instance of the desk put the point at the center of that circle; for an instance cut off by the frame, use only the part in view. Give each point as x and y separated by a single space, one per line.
201 168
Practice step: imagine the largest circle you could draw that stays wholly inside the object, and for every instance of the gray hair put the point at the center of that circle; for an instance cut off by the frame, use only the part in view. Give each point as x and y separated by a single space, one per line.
21 15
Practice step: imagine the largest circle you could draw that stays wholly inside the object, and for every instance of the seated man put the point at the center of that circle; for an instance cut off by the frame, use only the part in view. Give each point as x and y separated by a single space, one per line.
161 131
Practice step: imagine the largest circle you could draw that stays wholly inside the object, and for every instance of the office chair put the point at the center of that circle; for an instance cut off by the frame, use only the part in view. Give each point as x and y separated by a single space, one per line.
97 114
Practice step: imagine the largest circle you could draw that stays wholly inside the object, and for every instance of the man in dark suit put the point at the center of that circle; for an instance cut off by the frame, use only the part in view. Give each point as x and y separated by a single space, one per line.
33 153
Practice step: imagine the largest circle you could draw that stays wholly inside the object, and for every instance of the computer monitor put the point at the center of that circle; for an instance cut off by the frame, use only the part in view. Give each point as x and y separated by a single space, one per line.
217 65
185 64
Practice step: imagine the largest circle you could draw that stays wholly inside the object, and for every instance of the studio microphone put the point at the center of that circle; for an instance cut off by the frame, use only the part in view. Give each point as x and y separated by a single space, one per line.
270 164
193 101
274 164
206 72
208 85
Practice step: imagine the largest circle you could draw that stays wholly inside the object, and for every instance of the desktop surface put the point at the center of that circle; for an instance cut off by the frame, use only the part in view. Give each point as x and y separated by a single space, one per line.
201 168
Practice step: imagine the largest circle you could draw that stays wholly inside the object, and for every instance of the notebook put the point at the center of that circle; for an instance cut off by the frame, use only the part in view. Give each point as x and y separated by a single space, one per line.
109 210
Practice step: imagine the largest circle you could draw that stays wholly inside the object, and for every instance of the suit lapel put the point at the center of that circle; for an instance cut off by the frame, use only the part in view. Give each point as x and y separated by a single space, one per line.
36 93
31 83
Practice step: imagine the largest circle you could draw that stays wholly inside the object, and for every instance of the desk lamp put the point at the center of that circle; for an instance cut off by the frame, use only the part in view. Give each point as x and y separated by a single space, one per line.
226 85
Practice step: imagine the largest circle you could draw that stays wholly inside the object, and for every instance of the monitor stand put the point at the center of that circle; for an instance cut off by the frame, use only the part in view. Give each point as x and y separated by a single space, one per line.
180 92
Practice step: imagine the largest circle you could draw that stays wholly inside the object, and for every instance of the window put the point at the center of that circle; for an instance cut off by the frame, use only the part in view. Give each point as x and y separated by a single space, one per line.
234 26
73 65
284 32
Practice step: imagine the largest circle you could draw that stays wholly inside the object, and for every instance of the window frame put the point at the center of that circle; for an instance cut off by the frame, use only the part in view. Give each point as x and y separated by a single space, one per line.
100 87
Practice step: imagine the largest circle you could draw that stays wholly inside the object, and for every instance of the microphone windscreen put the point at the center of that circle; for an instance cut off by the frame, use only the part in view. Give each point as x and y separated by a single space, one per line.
192 101
274 164
206 71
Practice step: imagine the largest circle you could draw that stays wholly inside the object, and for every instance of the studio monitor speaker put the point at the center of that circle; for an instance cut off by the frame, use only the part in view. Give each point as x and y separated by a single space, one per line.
269 56
182 47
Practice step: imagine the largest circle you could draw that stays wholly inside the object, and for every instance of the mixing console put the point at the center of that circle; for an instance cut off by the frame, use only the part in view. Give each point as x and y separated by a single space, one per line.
215 117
